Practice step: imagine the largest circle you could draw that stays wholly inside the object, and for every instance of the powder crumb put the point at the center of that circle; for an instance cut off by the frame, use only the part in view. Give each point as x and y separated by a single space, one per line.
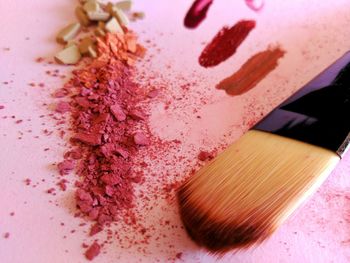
7 235
27 181
51 190
60 93
62 107
12 213
65 167
62 184
179 255
74 154
39 59
96 228
141 139
153 93
2 107
203 156
93 251
118 112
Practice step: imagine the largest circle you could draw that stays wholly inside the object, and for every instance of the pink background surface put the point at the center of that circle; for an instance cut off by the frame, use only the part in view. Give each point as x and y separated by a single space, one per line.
314 34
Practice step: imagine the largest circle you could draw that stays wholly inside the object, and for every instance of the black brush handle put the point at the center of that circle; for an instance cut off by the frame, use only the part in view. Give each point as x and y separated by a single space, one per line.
319 113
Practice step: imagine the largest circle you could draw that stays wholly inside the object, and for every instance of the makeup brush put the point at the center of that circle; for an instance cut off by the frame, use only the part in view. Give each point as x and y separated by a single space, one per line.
242 196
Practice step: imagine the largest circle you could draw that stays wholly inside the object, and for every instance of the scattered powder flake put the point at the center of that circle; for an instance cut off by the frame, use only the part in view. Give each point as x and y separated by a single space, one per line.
153 93
254 70
62 184
93 251
2 107
62 107
60 93
179 255
118 112
225 43
92 139
137 115
74 154
7 235
203 156
65 167
96 228
27 181
141 139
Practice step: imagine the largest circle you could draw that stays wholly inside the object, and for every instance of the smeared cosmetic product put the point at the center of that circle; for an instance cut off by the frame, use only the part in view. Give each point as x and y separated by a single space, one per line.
225 43
252 72
255 5
197 13
240 198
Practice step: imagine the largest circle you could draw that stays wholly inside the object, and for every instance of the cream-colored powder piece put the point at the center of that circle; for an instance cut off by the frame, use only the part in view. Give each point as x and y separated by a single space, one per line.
68 33
91 6
124 5
98 15
113 26
70 55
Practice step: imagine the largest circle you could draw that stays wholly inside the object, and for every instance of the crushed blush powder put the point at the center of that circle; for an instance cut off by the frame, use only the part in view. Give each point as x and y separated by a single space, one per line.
225 43
108 128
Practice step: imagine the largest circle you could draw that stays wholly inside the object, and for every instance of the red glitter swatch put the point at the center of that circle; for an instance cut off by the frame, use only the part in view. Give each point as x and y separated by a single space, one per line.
197 13
225 43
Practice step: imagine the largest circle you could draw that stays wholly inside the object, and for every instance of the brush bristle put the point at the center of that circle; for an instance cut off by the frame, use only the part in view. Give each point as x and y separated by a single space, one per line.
243 195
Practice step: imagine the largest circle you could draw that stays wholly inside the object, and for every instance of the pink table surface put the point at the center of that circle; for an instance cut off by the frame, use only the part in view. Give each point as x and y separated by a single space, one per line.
314 33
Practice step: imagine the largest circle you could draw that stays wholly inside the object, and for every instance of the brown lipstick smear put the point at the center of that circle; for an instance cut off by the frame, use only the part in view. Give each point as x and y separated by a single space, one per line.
225 43
252 71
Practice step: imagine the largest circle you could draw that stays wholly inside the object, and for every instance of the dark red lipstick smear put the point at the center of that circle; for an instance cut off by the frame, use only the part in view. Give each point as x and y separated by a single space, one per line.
197 13
225 43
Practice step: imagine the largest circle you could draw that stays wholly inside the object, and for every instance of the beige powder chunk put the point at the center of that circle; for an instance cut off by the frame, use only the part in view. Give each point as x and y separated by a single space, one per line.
82 16
113 26
137 15
69 55
70 43
91 6
124 5
99 15
68 33
92 51
120 16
